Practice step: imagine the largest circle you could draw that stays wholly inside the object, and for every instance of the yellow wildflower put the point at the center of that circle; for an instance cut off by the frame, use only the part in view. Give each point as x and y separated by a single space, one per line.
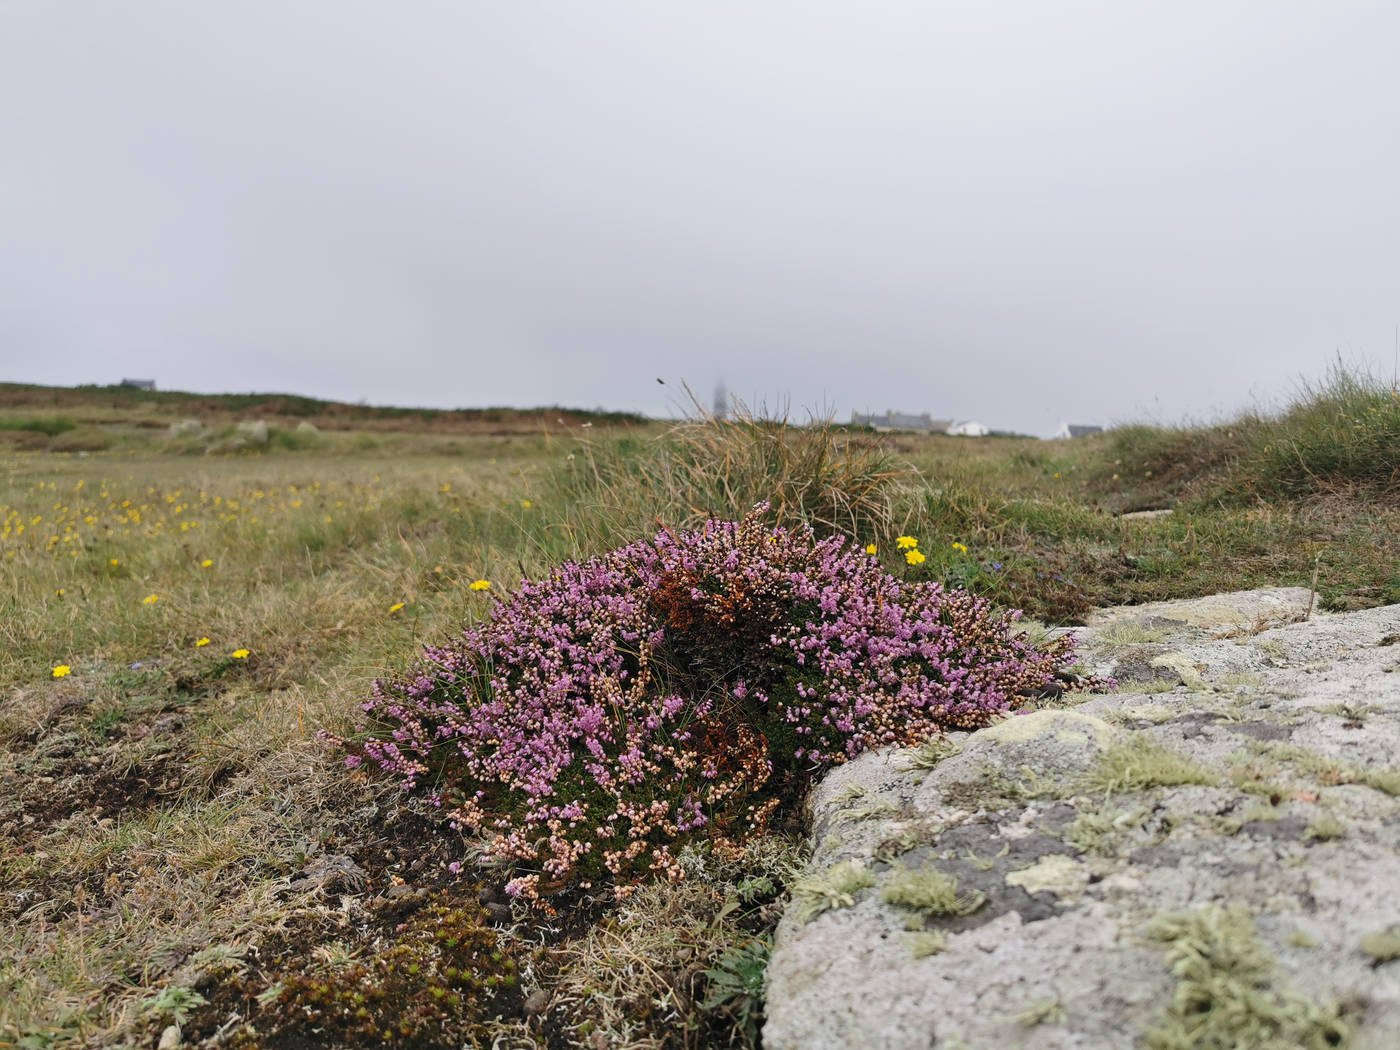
61 670
201 642
870 549
526 504
480 585
115 561
150 599
960 547
241 654
914 557
206 563
396 606
906 543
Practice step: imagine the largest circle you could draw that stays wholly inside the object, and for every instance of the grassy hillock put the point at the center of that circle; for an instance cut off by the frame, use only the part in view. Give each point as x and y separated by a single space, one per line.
97 418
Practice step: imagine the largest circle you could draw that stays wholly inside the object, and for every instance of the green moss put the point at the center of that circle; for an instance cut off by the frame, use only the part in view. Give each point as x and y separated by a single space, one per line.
1256 776
1137 763
1225 999
931 752
1324 828
834 888
927 942
1097 831
1129 633
930 892
1328 770
1383 945
1047 1011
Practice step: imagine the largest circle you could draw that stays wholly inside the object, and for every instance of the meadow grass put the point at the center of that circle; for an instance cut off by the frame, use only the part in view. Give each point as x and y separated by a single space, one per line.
159 799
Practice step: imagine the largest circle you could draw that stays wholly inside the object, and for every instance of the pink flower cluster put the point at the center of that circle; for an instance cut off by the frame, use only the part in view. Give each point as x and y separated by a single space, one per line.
685 685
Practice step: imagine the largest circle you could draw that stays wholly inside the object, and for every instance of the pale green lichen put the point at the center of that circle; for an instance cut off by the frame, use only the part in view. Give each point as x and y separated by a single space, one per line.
1382 946
930 892
1225 999
835 888
1137 763
1302 939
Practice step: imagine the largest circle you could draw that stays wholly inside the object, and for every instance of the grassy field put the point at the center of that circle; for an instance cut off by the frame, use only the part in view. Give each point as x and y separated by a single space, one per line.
178 847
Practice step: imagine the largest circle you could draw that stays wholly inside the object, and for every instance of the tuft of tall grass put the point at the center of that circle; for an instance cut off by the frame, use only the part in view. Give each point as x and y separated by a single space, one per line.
1341 433
613 489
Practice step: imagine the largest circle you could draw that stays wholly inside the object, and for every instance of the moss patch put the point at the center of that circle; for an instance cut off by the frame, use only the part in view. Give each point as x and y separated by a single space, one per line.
931 892
1225 999
835 888
1137 763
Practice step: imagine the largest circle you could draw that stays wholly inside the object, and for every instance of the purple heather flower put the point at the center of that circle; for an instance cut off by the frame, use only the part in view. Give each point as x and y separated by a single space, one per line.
621 704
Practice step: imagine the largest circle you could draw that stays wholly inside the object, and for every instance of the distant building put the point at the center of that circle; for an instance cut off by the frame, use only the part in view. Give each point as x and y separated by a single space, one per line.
969 429
892 420
1077 430
140 384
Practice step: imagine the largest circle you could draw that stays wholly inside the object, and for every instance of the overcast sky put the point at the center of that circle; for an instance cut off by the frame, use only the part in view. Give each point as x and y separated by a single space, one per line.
1022 213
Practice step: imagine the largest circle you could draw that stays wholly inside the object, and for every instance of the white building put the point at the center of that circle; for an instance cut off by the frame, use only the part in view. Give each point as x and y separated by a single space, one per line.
1077 430
969 429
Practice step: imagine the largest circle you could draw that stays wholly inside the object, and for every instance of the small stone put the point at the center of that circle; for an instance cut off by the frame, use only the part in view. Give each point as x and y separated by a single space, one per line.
395 892
498 913
170 1038
536 1003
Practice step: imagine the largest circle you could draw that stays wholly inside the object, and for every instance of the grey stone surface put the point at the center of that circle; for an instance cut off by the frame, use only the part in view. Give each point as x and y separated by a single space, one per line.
1293 729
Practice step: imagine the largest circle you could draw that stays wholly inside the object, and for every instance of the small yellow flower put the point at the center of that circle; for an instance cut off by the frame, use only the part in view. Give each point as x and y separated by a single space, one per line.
150 599
201 642
914 557
115 561
61 670
481 585
60 592
960 547
526 504
241 654
397 606
207 563
906 543
870 549
1057 473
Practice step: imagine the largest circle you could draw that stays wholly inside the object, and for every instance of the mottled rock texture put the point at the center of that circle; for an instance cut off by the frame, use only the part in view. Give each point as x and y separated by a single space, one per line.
1193 863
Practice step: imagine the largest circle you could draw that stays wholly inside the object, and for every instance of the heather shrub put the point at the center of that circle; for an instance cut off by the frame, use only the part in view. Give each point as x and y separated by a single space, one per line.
682 686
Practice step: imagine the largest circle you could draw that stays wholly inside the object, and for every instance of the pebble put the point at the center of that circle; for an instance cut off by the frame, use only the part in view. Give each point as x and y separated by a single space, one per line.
170 1038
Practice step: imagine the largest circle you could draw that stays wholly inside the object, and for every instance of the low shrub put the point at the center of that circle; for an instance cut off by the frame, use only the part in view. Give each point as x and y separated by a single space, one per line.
682 686
48 427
